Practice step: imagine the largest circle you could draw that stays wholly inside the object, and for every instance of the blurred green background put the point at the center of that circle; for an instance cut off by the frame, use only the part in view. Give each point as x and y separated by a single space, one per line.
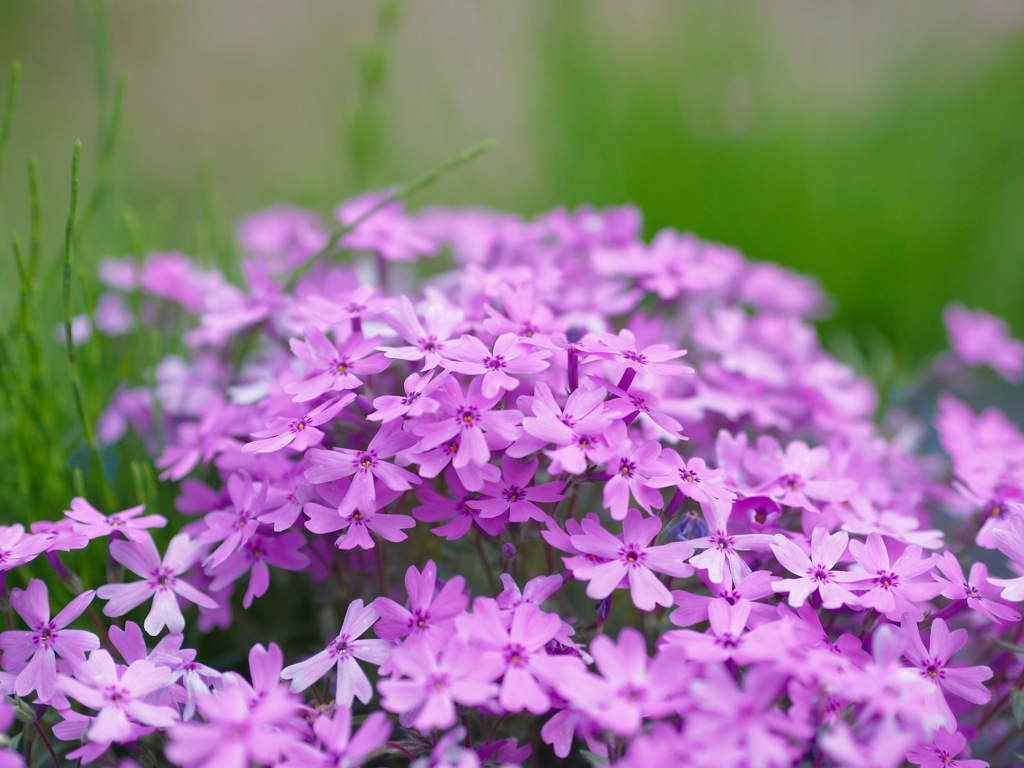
879 146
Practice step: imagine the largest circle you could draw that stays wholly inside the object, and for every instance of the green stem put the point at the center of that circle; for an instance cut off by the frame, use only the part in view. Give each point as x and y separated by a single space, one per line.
73 370
13 83
401 193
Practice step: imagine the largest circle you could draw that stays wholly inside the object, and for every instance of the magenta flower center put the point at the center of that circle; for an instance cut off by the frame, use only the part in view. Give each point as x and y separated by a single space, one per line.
45 636
887 579
633 556
428 344
495 363
792 482
819 573
626 468
514 493
635 357
689 476
366 459
515 655
342 365
467 416
339 647
162 579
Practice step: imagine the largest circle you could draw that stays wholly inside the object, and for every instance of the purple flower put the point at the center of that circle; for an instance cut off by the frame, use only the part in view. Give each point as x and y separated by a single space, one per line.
630 468
979 338
980 594
92 523
815 573
427 611
1009 540
237 731
896 588
332 368
514 647
298 433
433 674
18 548
693 478
514 495
630 558
436 507
943 751
338 746
120 696
341 653
623 350
418 399
33 654
366 467
256 556
965 682
428 342
357 525
721 550
630 687
471 357
576 429
468 427
162 581
794 476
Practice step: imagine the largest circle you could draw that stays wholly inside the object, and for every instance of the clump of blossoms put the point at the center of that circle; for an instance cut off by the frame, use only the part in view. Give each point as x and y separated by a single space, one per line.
572 495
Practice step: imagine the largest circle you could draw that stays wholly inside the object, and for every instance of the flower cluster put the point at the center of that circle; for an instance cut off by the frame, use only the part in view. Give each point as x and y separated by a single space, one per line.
639 511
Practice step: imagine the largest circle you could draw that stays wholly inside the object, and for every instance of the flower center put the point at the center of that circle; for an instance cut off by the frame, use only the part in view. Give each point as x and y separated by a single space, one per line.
635 357
495 363
514 493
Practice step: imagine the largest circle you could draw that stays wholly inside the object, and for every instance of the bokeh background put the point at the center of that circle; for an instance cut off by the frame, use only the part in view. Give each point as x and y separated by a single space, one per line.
877 145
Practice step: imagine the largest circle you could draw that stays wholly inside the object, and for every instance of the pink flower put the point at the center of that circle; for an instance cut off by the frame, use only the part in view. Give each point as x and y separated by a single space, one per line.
35 652
943 751
693 478
815 573
255 556
513 647
357 525
1009 540
468 427
979 338
238 731
965 682
120 696
418 400
367 467
338 746
331 368
341 653
428 343
471 357
433 674
980 594
161 581
630 468
630 687
18 548
514 495
298 433
92 523
727 637
624 351
721 558
794 476
427 611
896 588
630 558
457 511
